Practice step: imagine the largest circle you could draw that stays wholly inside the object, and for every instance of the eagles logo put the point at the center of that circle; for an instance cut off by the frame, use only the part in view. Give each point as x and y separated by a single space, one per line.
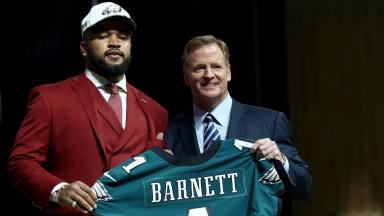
270 177
111 8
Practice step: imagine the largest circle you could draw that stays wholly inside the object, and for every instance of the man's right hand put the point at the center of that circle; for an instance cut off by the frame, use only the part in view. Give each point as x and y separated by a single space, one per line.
78 195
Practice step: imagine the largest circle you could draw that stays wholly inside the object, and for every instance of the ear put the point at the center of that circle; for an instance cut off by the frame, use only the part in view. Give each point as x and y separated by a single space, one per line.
84 48
185 76
229 73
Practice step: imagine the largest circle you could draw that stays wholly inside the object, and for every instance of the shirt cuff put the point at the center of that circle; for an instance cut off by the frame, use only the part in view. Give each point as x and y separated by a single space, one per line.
285 164
55 192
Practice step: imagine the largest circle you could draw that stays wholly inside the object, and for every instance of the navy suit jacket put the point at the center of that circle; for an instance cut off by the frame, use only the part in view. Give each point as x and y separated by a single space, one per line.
249 122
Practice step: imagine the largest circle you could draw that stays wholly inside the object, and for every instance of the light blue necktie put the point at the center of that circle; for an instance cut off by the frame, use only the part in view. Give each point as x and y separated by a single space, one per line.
210 131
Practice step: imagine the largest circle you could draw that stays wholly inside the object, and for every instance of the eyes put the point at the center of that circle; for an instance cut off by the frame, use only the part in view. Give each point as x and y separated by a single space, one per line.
202 67
120 35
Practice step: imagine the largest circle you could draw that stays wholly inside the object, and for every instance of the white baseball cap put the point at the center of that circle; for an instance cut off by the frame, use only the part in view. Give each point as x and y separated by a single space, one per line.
103 11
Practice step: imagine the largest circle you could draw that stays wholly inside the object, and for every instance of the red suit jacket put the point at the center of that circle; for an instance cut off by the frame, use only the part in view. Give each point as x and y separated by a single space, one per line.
70 133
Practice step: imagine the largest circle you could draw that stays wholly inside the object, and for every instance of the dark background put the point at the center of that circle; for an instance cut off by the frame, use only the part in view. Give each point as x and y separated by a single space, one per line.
42 46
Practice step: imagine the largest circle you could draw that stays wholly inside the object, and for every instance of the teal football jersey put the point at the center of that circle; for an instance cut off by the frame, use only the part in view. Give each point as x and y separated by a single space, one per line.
225 180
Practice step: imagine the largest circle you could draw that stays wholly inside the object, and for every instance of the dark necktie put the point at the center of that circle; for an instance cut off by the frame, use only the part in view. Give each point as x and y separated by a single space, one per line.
115 100
210 131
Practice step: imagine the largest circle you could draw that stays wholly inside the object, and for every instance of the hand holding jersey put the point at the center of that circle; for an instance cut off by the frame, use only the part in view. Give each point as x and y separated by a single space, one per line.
78 195
269 149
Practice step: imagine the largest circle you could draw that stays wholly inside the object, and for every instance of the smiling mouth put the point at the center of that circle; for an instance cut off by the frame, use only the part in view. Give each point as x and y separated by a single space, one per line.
209 84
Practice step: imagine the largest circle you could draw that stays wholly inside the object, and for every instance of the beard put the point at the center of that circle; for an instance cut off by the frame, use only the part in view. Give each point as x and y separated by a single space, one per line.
106 70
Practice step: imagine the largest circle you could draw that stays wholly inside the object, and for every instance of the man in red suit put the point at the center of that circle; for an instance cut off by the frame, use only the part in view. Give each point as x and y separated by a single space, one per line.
72 134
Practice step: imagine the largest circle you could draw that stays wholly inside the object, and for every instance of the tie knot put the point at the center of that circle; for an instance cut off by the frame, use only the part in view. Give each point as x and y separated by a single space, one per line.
211 133
113 89
208 118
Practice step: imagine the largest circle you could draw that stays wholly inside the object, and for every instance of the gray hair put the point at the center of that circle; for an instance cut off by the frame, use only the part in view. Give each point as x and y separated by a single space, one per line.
198 41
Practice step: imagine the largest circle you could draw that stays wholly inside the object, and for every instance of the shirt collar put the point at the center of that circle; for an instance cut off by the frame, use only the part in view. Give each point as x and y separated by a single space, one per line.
100 81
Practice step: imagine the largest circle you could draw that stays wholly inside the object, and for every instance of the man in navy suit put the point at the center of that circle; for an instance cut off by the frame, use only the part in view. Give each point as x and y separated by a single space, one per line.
207 71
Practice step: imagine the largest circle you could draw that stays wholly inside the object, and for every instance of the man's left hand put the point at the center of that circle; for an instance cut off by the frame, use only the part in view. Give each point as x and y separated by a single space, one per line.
268 148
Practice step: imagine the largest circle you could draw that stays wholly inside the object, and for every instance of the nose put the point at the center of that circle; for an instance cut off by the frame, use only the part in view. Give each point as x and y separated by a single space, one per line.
209 73
113 40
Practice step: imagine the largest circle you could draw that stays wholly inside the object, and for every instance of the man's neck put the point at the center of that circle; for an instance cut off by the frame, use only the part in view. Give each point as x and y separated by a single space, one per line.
209 104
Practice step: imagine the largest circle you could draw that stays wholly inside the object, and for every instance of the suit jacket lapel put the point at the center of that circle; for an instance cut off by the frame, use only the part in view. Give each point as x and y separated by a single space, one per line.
87 93
93 105
110 117
236 122
188 132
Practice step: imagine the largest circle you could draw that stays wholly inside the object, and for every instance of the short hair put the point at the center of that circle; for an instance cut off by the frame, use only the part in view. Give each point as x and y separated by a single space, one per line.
198 41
